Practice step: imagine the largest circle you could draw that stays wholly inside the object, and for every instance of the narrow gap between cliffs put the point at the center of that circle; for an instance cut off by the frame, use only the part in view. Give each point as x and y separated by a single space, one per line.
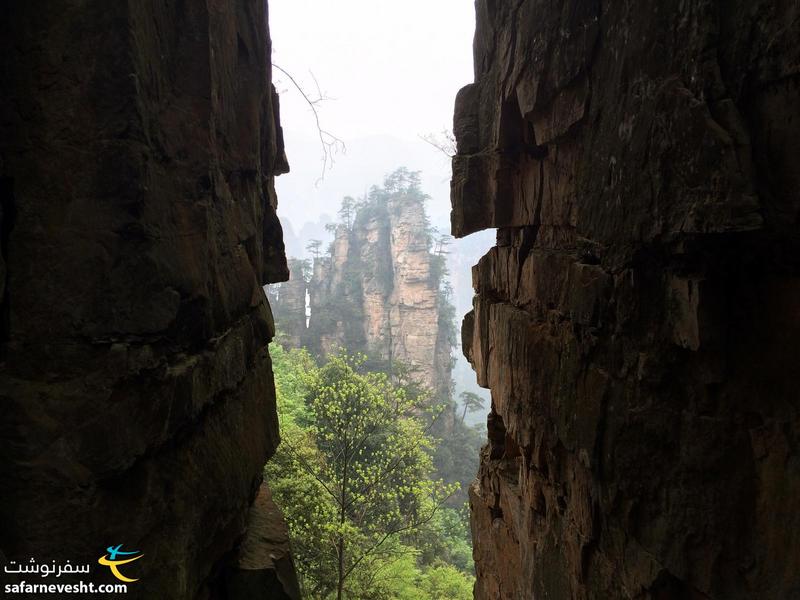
381 417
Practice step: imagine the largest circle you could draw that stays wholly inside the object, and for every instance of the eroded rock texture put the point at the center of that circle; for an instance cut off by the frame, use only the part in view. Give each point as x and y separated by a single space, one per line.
139 141
637 320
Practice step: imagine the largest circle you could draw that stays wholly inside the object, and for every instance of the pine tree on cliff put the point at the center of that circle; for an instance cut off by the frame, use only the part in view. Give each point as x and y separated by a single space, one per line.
471 402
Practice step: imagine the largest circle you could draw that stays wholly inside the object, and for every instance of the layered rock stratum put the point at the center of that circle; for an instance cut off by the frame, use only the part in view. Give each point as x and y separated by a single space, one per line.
637 319
139 141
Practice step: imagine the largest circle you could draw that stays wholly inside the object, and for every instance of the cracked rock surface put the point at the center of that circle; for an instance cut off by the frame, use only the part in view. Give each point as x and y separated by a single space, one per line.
637 318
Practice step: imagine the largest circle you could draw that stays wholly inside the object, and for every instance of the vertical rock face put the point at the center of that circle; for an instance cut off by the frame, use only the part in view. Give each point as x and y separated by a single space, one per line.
636 320
139 141
264 567
412 329
378 292
288 302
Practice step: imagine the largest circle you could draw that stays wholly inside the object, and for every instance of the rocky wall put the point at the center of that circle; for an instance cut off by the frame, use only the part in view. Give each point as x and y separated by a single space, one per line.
376 292
138 144
637 320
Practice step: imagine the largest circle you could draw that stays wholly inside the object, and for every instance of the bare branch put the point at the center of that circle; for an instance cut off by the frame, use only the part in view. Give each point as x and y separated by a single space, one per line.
329 143
444 142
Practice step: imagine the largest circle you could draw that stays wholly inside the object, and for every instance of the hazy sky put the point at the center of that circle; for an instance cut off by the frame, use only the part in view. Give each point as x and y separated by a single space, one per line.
392 68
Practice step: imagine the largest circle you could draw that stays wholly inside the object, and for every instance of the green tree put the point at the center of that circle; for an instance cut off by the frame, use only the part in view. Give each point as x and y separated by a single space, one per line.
313 247
444 582
347 211
364 466
446 539
295 374
403 180
471 402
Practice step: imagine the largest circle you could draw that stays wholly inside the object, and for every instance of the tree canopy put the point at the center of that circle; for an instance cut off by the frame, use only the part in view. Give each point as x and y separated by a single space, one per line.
354 472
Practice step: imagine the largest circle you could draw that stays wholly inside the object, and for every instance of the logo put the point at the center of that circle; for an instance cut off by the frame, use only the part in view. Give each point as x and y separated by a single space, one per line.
110 560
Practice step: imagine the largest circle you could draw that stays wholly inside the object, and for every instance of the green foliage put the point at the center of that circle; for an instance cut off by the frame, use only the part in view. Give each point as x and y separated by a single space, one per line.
347 211
362 454
446 539
295 374
403 579
354 475
446 583
438 269
308 510
402 180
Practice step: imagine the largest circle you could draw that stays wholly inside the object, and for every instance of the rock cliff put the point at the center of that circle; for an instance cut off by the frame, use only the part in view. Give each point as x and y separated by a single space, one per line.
138 145
378 291
635 321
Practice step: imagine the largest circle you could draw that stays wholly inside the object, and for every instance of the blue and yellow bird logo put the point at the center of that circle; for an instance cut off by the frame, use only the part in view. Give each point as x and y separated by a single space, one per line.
110 560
